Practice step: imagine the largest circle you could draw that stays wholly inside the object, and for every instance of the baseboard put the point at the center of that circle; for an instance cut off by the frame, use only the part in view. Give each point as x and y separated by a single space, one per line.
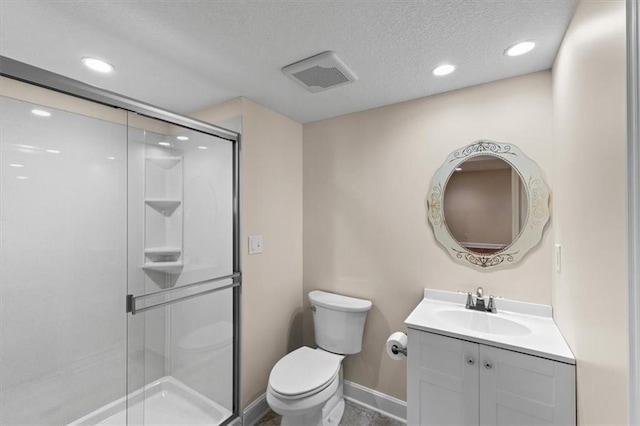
353 392
255 411
376 401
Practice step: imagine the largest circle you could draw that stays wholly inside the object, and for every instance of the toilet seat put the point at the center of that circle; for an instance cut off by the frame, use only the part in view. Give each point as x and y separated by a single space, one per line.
304 394
304 372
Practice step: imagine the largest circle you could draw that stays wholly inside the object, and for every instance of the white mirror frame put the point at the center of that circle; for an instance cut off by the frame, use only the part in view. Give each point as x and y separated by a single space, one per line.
537 199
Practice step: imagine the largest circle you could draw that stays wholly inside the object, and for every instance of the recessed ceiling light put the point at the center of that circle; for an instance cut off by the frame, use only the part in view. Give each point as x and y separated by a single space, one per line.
520 48
21 177
183 138
97 65
53 151
111 158
164 143
40 112
443 70
202 147
15 165
458 169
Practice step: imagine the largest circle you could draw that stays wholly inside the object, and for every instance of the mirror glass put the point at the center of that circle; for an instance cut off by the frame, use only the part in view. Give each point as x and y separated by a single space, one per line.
485 204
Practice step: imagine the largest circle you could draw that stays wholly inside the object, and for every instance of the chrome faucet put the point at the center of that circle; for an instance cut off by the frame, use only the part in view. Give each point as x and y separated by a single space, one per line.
479 304
480 300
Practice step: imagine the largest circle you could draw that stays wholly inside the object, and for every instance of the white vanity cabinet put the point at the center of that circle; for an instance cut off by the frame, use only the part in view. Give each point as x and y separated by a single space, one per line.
457 382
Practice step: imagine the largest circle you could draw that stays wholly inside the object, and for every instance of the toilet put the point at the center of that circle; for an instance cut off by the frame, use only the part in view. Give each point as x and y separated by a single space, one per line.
305 386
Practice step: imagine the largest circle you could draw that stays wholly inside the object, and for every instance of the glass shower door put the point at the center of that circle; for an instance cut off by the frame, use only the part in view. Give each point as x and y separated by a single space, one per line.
118 265
63 238
182 288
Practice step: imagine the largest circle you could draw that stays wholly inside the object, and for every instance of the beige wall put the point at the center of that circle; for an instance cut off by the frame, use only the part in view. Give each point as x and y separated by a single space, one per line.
366 176
589 295
221 112
271 207
41 96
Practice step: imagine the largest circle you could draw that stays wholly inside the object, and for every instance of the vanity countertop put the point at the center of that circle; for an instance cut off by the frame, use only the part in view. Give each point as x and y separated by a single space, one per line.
518 326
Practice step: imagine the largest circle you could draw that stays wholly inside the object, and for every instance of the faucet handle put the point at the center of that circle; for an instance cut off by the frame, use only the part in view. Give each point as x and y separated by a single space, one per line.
480 293
469 304
491 307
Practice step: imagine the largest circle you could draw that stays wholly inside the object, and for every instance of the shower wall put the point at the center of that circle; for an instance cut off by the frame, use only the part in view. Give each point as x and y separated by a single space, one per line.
63 260
201 349
147 333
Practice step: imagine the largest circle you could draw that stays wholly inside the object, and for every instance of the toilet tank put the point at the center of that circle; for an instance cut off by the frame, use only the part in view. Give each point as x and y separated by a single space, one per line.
338 321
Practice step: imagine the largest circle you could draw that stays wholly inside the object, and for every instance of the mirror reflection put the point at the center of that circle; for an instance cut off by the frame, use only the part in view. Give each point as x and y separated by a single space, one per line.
485 204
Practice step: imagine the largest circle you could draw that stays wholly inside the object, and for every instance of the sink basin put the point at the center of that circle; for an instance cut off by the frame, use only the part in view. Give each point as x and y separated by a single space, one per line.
482 322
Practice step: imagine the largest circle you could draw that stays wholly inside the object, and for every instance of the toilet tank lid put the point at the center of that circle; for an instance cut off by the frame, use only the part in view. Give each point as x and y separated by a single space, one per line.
339 302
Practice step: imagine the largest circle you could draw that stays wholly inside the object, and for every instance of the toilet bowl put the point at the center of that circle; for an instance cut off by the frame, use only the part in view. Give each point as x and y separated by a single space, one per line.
302 383
305 386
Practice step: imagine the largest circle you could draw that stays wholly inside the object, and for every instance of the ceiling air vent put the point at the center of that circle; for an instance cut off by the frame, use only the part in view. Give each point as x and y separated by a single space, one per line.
320 72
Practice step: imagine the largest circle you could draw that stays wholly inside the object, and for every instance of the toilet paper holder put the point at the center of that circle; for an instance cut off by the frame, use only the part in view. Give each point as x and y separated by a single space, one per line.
396 350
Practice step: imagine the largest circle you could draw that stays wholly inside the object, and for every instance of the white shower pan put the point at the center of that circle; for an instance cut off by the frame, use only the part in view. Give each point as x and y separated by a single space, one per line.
165 402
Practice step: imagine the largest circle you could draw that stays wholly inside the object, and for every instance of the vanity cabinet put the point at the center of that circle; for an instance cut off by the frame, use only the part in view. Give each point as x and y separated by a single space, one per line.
457 382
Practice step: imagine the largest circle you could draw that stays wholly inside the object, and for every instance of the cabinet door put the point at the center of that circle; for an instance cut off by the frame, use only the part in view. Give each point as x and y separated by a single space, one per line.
442 380
518 389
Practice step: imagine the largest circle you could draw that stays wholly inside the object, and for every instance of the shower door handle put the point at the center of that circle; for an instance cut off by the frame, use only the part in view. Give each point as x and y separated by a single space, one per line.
132 301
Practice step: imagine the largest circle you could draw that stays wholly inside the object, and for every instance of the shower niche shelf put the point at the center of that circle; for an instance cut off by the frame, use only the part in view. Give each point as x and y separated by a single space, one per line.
162 266
164 206
163 254
163 213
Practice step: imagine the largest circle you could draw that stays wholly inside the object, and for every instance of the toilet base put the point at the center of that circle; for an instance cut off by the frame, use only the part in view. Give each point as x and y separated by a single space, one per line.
330 414
334 414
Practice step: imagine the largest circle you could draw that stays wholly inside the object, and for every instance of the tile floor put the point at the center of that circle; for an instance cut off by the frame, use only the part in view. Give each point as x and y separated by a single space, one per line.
354 415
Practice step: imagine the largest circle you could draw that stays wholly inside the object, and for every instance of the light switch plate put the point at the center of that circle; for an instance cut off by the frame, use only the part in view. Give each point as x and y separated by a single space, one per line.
255 244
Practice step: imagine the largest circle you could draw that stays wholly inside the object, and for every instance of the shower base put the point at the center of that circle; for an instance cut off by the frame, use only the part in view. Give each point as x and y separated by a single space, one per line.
166 401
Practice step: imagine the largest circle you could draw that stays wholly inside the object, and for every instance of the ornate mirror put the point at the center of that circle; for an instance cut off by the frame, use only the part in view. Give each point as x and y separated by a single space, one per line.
488 204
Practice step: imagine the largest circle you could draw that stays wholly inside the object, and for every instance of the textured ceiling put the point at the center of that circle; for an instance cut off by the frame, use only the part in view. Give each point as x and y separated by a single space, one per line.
187 55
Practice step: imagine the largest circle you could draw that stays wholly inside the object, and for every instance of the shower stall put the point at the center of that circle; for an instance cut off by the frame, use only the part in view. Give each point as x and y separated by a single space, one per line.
119 259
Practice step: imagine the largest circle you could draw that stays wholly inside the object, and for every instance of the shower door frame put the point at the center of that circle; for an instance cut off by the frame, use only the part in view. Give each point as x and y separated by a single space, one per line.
20 71
633 205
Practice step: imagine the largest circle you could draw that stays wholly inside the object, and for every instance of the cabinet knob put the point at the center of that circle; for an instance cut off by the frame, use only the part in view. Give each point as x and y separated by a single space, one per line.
470 361
488 365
